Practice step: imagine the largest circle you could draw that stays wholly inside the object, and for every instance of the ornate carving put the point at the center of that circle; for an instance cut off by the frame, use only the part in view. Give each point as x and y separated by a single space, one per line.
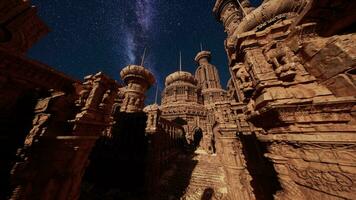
105 99
138 80
42 117
283 59
328 181
243 78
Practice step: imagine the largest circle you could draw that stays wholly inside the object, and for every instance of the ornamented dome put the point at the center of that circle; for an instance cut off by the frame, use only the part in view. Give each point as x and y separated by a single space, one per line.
181 87
180 76
138 80
203 54
135 71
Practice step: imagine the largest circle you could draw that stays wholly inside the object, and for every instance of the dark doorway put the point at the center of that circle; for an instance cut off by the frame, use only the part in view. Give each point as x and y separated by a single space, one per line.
198 136
118 164
264 182
180 121
208 194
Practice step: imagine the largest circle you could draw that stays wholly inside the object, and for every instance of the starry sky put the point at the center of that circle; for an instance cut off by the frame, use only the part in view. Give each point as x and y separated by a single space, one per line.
106 35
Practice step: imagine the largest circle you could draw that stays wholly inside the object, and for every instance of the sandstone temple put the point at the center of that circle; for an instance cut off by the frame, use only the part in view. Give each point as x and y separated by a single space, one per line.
284 128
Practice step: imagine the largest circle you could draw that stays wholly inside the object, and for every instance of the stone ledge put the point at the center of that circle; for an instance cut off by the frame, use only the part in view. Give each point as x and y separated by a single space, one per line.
304 138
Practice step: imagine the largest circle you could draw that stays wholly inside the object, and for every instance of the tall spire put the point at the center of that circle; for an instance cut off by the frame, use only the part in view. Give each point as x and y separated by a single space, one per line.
156 94
208 78
201 46
143 57
243 10
180 61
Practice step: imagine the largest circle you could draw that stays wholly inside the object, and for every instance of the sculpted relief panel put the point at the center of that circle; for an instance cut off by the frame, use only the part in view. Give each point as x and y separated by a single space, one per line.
331 182
283 61
328 168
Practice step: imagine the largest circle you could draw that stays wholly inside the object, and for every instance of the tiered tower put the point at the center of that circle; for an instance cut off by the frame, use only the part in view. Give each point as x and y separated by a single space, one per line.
138 80
208 79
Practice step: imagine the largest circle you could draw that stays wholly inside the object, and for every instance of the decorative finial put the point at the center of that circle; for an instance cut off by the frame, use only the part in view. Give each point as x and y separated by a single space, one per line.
143 57
201 46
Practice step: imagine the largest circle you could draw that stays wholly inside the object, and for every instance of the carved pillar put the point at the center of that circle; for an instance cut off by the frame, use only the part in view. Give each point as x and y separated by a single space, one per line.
229 150
234 163
290 188
153 114
138 80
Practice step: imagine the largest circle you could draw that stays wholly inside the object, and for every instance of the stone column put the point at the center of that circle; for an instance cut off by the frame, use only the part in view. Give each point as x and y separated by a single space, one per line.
138 79
232 157
290 188
230 151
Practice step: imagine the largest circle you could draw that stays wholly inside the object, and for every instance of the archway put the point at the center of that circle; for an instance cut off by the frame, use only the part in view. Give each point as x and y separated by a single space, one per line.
197 137
180 121
117 163
216 135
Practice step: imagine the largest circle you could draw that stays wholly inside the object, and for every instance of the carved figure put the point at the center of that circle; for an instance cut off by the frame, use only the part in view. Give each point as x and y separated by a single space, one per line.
243 78
105 99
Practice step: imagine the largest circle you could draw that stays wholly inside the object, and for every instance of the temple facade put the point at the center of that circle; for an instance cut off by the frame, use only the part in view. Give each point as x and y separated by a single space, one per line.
283 129
189 100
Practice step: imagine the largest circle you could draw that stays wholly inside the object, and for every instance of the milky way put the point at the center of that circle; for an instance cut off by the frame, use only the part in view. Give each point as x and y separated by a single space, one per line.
106 35
137 32
137 29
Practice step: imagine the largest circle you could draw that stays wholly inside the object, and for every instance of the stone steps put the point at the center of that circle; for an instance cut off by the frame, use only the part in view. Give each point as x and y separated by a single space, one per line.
193 177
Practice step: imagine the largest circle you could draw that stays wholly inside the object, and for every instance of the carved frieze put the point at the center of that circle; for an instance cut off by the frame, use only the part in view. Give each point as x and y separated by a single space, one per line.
332 182
325 167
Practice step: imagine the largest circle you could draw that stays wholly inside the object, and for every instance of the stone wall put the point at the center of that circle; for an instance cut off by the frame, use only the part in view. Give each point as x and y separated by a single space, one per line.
298 90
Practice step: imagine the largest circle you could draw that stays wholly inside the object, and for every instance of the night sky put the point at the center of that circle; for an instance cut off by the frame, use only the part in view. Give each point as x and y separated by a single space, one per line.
106 35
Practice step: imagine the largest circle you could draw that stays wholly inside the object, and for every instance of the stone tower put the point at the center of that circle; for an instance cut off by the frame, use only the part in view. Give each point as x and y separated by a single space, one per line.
138 80
208 79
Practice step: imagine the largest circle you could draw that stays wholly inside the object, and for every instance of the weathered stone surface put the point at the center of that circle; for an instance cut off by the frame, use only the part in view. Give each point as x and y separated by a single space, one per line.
303 91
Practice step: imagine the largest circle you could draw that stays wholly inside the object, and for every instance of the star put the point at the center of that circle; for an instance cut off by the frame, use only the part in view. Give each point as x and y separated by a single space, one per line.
107 35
